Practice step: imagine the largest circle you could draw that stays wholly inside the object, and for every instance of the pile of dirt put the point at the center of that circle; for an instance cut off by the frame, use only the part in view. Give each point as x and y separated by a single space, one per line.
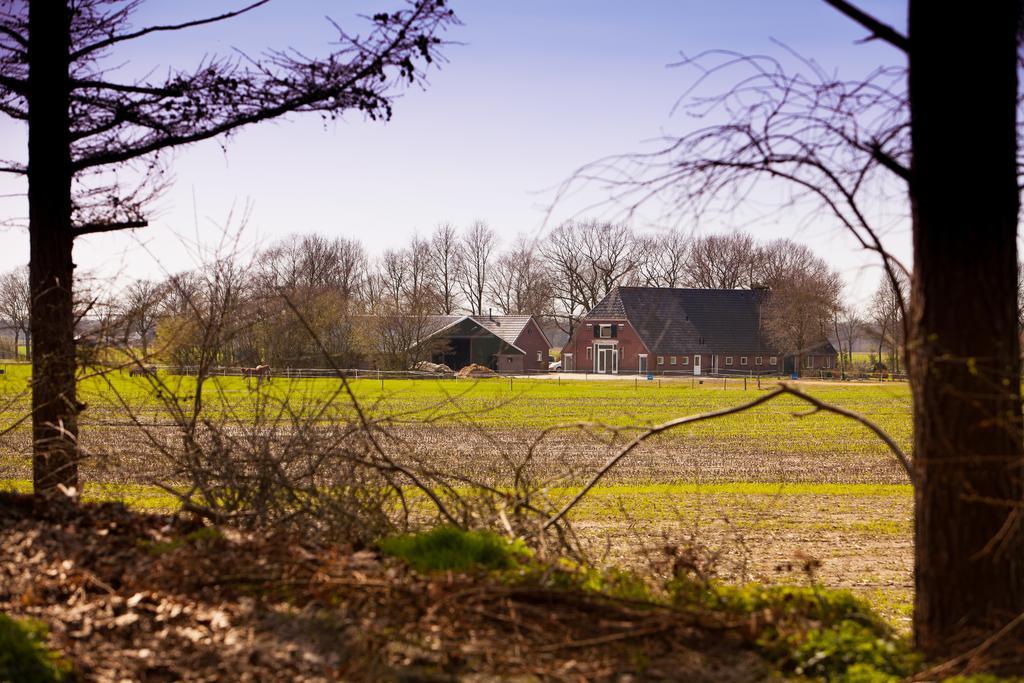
475 371
128 596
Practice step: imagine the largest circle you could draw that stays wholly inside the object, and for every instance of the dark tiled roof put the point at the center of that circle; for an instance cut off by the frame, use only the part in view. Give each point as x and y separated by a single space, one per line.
676 320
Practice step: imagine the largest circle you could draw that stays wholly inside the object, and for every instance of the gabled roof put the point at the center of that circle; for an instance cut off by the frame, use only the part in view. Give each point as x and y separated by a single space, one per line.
671 320
510 327
505 327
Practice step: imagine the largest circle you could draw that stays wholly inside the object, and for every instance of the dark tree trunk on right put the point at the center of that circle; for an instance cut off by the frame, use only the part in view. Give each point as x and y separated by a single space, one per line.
965 351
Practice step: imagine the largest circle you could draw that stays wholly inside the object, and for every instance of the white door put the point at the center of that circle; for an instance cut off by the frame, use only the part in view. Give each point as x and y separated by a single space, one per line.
696 364
606 359
642 364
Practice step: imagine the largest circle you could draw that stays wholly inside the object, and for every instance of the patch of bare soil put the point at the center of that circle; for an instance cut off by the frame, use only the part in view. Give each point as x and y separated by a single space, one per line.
122 454
152 598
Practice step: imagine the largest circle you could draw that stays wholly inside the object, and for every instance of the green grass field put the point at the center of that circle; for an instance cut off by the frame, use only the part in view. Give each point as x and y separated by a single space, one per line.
761 486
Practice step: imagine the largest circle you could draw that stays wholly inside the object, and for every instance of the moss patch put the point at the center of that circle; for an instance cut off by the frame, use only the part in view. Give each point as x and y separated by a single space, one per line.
24 656
449 549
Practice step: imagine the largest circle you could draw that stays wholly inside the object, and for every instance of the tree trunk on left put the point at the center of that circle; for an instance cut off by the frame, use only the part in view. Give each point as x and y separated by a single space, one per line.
54 405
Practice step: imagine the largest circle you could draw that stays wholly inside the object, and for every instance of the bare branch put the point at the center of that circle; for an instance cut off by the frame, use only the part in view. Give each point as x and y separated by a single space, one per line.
878 29
113 40
92 228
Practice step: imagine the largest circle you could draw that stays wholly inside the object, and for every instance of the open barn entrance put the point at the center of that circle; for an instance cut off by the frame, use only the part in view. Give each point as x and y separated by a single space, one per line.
467 342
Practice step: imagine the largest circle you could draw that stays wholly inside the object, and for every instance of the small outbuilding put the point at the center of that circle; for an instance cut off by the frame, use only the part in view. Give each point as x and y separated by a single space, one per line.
503 343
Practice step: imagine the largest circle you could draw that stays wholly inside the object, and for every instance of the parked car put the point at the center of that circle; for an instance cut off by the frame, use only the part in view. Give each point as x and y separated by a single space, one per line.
555 366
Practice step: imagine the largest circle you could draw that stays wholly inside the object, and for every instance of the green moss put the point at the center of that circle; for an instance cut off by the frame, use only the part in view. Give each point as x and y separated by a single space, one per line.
24 656
810 631
447 548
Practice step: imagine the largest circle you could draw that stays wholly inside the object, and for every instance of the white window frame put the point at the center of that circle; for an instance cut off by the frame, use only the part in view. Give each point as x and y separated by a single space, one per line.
589 352
685 360
809 362
661 360
540 356
743 360
641 359
567 364
773 360
605 332
758 360
671 360
728 360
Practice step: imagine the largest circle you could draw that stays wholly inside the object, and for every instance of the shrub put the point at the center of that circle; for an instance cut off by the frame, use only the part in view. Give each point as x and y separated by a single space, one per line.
814 632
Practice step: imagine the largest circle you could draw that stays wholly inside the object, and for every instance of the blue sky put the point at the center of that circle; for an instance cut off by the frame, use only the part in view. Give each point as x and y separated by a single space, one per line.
535 89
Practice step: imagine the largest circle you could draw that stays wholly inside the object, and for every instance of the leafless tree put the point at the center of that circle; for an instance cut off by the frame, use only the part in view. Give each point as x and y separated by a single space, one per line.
444 266
885 311
519 283
801 306
15 302
663 260
722 261
587 259
476 256
314 262
401 309
140 309
849 325
91 131
419 292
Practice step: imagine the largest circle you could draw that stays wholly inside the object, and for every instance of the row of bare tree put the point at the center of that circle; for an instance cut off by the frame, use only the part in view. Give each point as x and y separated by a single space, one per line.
359 305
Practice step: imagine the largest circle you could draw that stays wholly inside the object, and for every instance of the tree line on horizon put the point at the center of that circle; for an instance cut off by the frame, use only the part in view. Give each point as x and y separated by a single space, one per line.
358 305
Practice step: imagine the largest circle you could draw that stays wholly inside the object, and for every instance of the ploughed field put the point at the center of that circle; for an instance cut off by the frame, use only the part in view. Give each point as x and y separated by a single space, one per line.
762 492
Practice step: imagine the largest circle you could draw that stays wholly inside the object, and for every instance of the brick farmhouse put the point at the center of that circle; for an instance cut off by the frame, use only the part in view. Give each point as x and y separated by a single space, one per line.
640 330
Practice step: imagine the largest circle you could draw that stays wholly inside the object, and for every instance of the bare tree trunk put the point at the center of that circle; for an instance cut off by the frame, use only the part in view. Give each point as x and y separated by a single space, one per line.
965 355
839 340
55 408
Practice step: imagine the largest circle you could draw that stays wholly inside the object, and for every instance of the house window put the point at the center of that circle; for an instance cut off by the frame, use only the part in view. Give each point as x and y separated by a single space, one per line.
728 360
809 362
567 364
773 360
759 360
661 360
540 356
671 360
743 360
588 353
606 331
685 360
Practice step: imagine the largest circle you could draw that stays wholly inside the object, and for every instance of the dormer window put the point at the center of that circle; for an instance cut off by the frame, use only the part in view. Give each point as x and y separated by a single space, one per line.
606 331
